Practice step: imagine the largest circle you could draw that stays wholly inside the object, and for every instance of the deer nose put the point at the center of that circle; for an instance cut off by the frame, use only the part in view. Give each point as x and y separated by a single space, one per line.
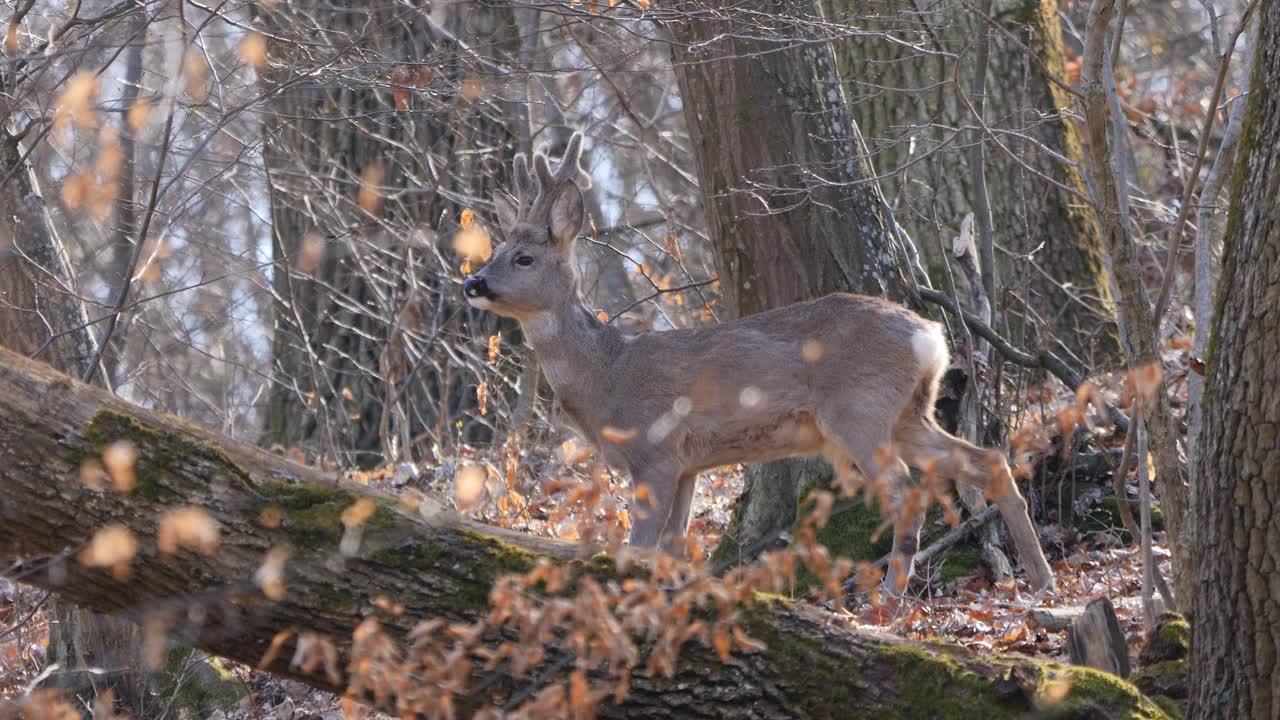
476 287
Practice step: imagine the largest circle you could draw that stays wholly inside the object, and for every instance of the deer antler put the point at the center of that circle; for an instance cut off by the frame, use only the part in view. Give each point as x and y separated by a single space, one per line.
536 191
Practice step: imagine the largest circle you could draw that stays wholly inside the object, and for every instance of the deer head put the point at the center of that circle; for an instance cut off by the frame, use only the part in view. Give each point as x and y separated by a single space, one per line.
533 271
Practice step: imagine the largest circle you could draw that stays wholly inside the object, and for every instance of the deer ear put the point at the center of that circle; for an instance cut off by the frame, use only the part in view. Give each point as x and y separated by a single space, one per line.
506 209
567 215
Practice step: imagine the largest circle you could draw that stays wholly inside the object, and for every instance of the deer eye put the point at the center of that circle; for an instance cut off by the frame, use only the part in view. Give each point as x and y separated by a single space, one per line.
524 261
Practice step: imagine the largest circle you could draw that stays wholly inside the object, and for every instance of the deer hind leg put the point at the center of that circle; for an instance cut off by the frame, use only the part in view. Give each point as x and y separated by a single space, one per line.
923 443
875 456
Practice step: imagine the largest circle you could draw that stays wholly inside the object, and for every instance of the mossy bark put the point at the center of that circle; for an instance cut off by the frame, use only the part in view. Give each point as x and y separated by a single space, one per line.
437 568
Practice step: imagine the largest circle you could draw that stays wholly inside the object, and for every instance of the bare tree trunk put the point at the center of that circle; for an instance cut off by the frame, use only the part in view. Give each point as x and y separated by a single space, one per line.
125 233
779 169
1208 243
897 88
1236 630
441 568
1105 144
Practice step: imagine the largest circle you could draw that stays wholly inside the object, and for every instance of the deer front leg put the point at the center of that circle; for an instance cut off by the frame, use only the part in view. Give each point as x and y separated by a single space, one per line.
677 524
655 488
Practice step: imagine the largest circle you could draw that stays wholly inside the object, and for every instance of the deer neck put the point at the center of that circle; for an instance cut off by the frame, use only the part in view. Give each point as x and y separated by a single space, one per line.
573 348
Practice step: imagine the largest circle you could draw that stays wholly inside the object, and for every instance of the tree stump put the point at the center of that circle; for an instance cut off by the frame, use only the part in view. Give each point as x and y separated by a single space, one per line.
1095 639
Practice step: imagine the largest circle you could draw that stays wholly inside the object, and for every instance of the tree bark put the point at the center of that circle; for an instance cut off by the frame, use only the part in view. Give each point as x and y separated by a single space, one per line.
897 88
441 567
1236 628
782 185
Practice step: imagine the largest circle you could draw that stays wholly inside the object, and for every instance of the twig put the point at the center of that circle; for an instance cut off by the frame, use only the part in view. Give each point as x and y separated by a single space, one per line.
1121 473
1144 510
658 292
939 546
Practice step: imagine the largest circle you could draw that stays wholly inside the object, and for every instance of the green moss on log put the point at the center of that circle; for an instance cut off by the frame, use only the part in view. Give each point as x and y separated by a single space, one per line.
159 454
473 565
933 681
1094 693
313 512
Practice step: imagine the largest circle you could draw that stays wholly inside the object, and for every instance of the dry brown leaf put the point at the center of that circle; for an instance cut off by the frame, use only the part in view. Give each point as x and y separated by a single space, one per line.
310 253
370 195
253 50
812 351
618 436
270 575
75 104
468 487
112 546
76 190
1056 690
120 459
93 476
11 39
277 644
187 527
139 114
196 71
472 243
720 638
359 512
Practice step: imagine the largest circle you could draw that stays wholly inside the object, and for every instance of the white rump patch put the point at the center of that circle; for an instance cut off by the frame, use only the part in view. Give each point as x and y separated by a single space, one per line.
930 348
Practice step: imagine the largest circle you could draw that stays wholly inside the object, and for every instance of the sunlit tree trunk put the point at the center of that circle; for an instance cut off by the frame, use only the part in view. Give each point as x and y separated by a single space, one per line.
1236 629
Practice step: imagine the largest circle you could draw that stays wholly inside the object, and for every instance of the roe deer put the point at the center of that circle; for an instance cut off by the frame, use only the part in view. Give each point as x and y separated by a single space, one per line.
849 376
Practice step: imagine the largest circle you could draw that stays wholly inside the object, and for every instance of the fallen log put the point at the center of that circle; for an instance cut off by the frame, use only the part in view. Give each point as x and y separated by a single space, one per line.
812 667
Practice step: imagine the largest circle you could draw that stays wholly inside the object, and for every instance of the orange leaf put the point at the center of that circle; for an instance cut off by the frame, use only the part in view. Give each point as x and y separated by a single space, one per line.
618 436
720 637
